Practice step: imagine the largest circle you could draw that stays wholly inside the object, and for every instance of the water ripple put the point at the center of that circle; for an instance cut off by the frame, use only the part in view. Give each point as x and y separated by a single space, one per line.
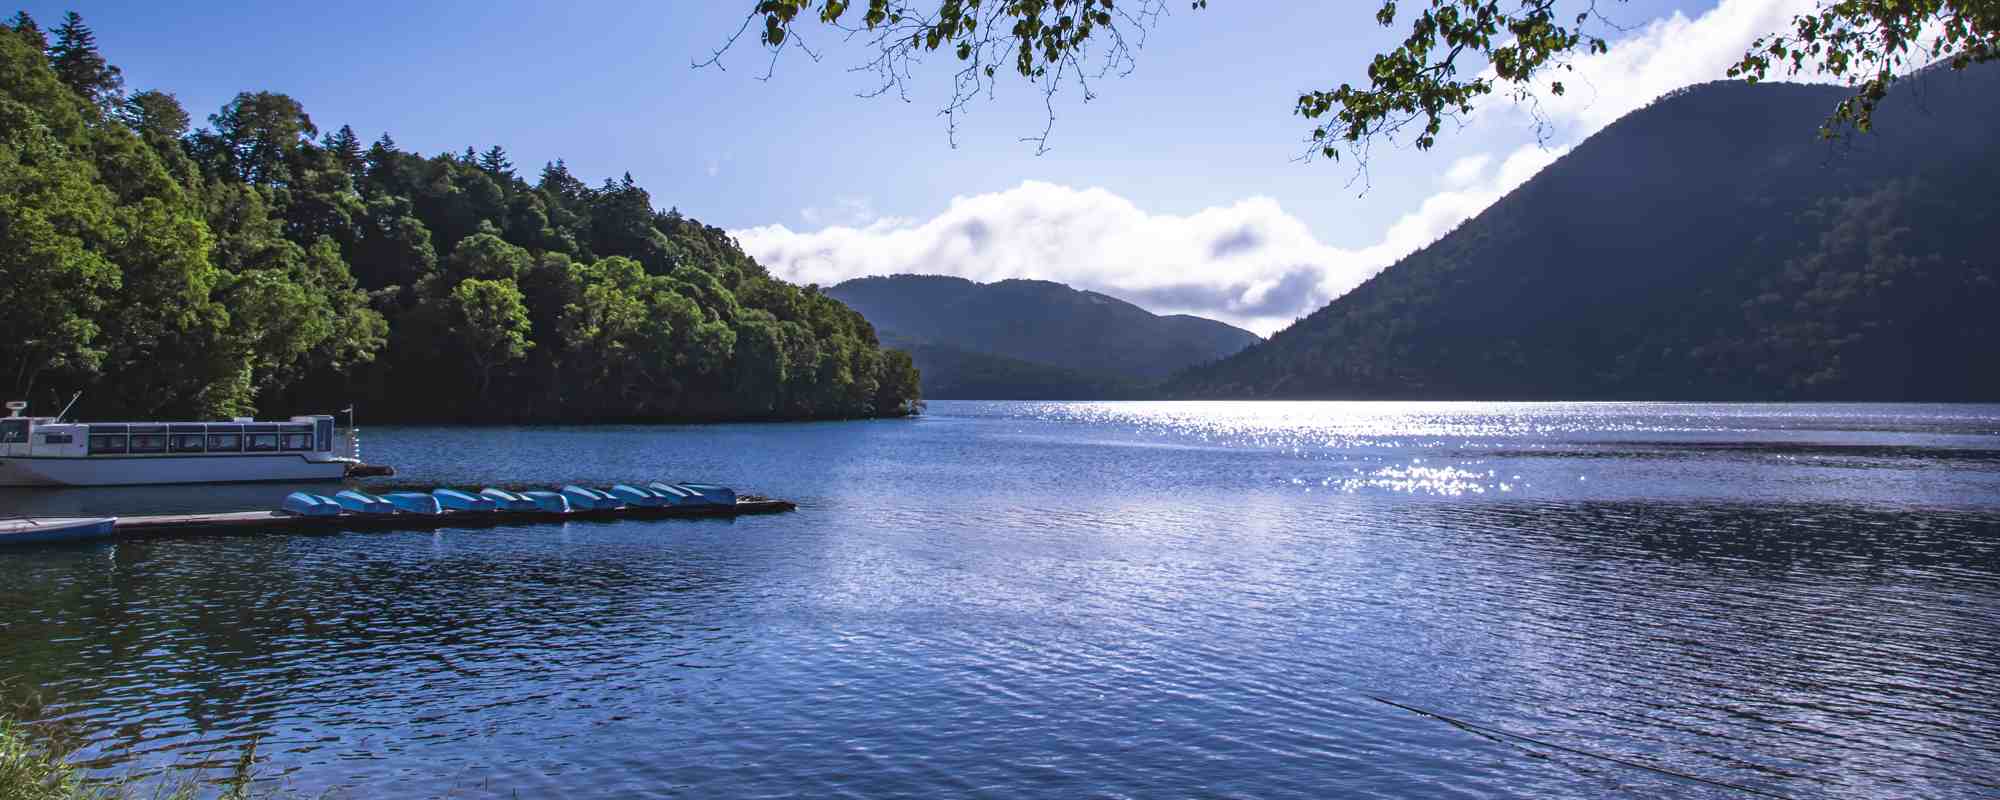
1107 600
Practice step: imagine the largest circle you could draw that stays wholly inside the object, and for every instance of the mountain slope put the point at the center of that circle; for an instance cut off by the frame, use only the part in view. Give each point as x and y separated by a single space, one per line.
1708 246
949 373
1041 322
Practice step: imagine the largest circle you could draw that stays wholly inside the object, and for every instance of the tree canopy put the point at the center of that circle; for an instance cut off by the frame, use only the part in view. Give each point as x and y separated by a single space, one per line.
249 266
1456 52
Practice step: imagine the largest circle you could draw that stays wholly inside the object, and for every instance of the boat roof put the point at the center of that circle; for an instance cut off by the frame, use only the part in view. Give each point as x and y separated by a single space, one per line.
300 420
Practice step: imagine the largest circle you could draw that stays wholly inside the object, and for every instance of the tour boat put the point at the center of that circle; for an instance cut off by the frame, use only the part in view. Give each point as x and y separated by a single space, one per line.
47 451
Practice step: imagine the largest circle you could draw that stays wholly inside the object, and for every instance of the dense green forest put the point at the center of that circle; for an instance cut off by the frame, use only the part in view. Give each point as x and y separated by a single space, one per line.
257 264
1033 340
1710 246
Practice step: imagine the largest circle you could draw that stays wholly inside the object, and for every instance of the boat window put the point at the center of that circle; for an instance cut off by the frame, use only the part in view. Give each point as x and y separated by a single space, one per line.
57 438
13 431
298 441
262 442
107 443
149 443
225 442
187 442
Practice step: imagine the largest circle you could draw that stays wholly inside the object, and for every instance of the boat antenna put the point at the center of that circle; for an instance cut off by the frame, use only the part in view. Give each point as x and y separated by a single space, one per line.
353 433
72 404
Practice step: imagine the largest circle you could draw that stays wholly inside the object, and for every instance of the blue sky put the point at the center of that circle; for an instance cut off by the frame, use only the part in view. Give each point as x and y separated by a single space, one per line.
1197 142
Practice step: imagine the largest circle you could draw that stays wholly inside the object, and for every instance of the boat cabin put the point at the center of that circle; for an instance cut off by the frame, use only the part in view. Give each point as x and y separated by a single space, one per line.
46 437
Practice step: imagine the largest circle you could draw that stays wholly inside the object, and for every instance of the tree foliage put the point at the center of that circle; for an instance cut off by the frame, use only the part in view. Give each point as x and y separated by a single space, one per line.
77 63
1455 52
156 116
1051 43
249 265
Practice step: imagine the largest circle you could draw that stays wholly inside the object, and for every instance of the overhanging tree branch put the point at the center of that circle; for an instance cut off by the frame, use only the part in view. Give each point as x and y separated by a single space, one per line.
1456 53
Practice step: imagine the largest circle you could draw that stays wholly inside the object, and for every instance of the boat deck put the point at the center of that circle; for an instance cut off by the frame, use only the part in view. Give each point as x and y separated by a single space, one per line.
250 521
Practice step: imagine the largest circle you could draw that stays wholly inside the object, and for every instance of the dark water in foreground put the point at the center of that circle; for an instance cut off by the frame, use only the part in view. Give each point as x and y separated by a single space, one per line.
1067 600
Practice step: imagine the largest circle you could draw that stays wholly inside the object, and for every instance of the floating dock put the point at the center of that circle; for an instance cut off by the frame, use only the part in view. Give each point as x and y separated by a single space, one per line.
251 521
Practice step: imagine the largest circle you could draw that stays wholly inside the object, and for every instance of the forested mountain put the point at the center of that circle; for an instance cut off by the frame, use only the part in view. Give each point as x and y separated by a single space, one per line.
249 265
1709 246
951 373
1098 345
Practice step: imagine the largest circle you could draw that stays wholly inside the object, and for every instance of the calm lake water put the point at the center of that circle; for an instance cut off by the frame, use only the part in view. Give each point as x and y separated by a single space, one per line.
1085 600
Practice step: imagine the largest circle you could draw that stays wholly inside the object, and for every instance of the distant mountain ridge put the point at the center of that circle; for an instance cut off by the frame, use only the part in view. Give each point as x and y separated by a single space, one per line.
1058 341
1709 246
949 373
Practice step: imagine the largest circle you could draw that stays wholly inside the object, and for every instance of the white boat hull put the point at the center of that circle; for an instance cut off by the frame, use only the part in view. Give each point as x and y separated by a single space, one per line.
135 471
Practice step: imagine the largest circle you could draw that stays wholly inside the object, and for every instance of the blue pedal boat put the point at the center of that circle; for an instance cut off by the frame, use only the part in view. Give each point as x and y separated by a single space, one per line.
307 504
456 500
719 495
555 502
674 495
30 530
361 502
635 496
583 498
509 501
711 493
414 503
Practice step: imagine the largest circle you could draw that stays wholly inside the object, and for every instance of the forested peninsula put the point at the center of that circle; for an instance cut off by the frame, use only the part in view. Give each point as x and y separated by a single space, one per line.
260 265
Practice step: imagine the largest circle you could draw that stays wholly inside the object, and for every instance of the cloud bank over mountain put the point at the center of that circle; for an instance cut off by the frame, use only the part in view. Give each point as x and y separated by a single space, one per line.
1251 263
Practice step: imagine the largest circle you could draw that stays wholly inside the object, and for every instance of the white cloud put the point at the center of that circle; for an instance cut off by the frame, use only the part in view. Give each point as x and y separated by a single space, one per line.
1466 170
1661 56
1252 264
845 210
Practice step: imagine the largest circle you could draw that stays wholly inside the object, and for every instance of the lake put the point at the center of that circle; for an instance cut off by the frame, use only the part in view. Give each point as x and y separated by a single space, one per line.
1083 600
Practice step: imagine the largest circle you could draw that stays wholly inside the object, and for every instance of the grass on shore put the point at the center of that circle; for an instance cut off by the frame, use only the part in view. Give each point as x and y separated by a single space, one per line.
32 769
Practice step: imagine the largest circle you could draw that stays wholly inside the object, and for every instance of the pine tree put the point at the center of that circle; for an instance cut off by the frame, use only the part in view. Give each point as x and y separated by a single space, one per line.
29 31
470 159
77 62
381 154
554 174
557 182
346 147
494 162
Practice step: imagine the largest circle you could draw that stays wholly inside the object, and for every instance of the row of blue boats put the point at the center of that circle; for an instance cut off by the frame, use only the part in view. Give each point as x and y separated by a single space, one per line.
569 499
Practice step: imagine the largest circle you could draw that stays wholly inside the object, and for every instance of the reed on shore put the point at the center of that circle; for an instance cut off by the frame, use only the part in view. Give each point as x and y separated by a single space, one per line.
36 768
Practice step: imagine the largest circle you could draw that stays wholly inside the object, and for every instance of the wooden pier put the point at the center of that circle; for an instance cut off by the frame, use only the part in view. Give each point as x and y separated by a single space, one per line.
257 521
